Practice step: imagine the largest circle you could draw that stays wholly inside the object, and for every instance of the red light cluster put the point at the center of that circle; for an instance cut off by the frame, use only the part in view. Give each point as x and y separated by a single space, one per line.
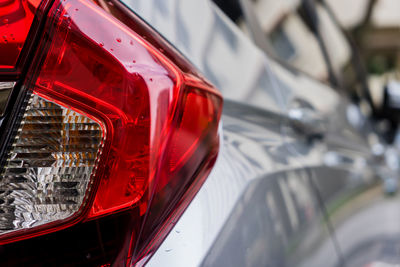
16 18
160 118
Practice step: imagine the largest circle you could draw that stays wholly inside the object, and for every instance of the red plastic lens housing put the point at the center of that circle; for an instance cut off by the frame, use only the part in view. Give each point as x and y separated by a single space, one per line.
160 117
16 18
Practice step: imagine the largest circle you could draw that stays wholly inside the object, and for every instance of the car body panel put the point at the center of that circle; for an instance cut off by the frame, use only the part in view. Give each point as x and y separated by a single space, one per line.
252 196
279 182
215 46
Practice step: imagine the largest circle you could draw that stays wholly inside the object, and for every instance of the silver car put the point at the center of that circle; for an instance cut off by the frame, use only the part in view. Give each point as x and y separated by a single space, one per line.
191 133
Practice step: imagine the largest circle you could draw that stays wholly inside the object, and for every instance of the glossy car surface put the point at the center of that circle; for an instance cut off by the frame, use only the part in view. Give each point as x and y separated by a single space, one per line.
303 175
285 191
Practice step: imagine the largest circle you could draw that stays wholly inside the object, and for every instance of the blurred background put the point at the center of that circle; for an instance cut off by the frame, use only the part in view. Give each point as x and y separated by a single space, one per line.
359 39
354 47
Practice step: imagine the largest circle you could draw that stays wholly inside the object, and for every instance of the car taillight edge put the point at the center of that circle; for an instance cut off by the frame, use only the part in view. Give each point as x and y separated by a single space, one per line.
158 122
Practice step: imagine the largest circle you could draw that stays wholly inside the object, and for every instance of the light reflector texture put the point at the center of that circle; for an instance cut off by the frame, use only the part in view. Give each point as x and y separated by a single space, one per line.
49 166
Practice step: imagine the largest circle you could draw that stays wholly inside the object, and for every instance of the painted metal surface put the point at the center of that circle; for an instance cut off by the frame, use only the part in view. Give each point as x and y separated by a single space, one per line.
295 173
255 208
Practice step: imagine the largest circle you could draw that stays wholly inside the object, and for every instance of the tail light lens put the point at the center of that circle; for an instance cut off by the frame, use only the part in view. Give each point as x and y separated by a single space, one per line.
113 121
16 18
49 166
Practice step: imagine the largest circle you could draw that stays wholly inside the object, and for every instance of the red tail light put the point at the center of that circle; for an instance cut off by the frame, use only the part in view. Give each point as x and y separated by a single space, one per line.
16 18
113 120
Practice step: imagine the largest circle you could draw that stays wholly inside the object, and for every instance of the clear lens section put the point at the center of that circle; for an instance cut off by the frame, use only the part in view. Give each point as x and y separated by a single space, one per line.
49 166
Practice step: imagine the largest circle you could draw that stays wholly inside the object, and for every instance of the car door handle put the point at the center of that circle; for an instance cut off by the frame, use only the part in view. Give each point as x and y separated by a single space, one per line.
307 121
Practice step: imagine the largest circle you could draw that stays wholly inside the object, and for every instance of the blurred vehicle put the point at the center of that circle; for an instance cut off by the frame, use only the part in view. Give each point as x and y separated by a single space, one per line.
116 150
